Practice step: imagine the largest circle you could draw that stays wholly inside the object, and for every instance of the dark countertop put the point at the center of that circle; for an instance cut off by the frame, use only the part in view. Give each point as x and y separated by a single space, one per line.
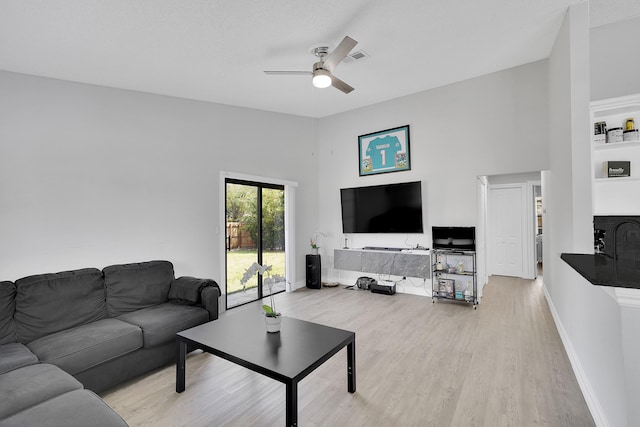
603 270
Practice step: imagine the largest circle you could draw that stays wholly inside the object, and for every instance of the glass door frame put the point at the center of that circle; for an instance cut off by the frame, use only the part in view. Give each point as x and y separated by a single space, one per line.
289 224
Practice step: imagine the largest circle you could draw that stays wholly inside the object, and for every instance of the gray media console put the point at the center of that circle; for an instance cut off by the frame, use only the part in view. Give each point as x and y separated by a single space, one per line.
394 263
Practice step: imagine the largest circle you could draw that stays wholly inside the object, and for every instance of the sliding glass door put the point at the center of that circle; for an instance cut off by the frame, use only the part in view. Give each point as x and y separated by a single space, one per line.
254 233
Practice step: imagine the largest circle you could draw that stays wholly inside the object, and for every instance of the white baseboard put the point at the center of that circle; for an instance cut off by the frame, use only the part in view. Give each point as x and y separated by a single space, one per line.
298 285
587 390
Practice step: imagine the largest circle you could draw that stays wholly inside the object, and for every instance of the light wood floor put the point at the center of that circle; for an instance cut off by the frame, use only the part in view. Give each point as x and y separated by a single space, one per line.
418 364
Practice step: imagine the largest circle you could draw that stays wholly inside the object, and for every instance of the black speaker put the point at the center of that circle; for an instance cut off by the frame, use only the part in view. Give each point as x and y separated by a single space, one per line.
314 280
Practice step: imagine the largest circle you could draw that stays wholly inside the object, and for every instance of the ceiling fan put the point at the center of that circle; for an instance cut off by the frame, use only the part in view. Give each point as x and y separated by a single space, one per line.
322 70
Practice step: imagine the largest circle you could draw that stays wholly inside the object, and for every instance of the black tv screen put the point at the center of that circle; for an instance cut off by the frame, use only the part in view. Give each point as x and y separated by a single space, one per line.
391 208
457 238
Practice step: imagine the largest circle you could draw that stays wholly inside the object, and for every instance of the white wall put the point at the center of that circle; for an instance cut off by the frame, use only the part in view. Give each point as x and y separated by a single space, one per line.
630 320
91 176
490 125
588 320
615 67
615 59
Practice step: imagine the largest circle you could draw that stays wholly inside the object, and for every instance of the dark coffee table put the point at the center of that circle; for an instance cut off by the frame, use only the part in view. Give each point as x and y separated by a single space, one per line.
287 356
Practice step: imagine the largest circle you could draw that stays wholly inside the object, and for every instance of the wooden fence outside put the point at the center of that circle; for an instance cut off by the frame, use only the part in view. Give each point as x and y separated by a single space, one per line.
238 237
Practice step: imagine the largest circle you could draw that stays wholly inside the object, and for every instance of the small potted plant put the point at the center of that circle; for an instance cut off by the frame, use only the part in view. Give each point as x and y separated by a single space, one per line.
272 317
314 246
314 242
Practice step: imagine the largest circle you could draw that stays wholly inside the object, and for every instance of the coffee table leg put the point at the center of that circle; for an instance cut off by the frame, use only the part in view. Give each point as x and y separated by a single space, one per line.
180 366
351 366
292 404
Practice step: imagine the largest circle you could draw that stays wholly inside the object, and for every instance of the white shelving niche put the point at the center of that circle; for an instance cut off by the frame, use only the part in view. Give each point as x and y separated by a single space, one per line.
620 195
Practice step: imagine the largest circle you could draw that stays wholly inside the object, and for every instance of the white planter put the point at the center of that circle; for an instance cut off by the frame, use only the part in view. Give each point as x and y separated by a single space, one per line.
273 323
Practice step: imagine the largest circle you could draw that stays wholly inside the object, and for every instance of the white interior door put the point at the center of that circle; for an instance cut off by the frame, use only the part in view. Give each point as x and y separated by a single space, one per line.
506 220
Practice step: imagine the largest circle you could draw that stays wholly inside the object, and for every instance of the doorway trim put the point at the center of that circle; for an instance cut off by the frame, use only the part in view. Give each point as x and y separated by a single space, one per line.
289 221
531 269
482 187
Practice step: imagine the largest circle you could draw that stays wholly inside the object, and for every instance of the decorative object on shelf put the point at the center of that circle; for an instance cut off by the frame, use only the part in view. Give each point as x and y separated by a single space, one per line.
600 132
384 151
614 135
629 124
459 291
445 287
630 135
616 169
461 267
468 293
272 317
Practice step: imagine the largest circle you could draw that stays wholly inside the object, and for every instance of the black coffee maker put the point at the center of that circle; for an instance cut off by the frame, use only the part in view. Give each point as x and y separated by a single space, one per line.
598 240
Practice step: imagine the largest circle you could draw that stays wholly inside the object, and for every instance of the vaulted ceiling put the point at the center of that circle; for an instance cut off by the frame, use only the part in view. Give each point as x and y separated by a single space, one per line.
217 50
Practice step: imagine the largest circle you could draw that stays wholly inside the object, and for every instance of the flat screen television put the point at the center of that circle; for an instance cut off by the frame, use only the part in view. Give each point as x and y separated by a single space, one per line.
390 208
455 238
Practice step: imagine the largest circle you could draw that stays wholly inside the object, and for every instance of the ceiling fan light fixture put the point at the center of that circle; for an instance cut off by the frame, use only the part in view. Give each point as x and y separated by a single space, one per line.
321 72
321 79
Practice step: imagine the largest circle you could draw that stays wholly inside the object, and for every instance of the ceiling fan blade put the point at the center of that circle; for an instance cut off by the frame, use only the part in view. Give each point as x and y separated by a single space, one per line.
289 73
340 85
339 53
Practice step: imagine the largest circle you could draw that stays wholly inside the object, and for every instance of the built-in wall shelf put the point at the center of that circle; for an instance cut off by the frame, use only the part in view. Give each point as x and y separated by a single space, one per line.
617 180
615 194
617 145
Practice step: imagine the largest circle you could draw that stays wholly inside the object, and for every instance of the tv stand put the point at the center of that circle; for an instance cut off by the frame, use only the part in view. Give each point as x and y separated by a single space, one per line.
390 261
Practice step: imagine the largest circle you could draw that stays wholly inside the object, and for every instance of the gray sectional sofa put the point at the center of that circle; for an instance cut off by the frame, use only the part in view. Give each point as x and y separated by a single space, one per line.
66 336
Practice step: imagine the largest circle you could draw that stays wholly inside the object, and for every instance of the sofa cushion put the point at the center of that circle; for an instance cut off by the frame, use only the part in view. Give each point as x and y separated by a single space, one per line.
77 408
160 323
85 346
7 308
15 355
48 303
28 386
131 287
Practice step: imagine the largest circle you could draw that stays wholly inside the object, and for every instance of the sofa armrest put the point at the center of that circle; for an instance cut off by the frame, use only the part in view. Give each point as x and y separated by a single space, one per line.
194 291
210 297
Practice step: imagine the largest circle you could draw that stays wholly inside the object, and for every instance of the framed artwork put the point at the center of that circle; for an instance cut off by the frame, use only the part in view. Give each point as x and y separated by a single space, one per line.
384 151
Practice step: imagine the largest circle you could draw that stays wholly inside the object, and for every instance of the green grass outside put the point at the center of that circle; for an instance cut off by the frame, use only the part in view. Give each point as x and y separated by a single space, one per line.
239 260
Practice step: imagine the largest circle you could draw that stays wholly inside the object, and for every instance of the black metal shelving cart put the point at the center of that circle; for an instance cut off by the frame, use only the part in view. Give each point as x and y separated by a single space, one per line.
454 276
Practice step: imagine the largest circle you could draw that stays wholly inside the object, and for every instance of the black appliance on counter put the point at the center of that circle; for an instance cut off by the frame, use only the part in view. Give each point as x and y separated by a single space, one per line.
618 237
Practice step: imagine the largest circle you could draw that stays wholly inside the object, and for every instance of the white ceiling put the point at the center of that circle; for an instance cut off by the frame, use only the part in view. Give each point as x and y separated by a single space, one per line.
216 50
